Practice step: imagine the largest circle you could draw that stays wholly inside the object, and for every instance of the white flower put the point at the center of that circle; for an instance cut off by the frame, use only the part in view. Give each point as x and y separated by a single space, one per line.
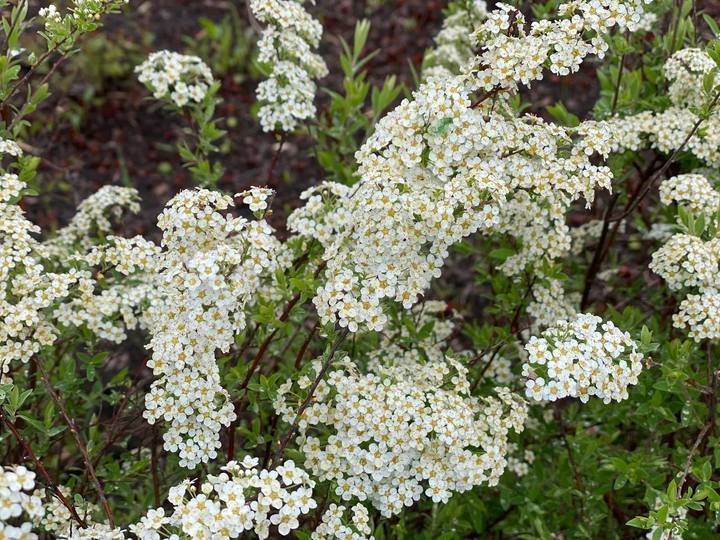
179 78
287 45
580 358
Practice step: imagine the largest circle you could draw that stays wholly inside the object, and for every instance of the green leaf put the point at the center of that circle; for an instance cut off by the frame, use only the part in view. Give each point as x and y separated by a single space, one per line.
639 522
620 482
560 113
712 25
33 422
706 471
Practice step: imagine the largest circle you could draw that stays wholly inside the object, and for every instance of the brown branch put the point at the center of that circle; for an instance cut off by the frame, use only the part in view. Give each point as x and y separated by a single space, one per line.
288 343
112 436
30 71
251 370
79 442
266 342
698 440
606 240
326 365
302 259
598 256
275 159
486 96
638 199
496 349
238 403
42 470
616 94
154 466
305 345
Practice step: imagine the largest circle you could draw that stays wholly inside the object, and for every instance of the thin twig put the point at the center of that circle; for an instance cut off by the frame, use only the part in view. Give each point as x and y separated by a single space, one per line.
599 250
486 96
305 345
30 71
79 442
42 470
709 425
616 95
240 401
698 440
251 370
275 159
154 466
326 365
665 166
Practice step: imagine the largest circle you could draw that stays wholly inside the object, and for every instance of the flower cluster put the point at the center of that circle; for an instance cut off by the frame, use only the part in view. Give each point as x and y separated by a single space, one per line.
287 45
190 294
241 498
667 130
93 218
580 358
179 78
61 29
30 320
701 314
28 512
436 170
692 190
59 523
10 147
550 303
403 430
685 71
107 305
335 524
257 198
511 54
688 261
111 310
317 219
50 14
445 165
27 290
210 269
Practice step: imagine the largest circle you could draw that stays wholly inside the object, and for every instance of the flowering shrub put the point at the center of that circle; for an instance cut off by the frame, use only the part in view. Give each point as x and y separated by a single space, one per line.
482 321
